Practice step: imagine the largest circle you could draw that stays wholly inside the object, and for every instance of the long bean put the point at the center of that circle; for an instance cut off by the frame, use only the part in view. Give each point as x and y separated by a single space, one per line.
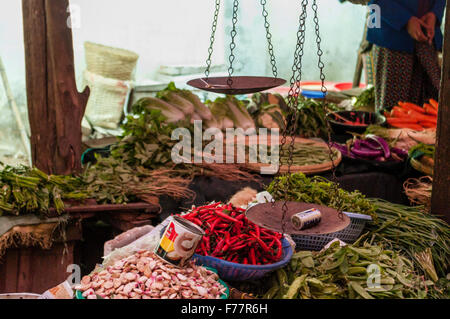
410 230
341 272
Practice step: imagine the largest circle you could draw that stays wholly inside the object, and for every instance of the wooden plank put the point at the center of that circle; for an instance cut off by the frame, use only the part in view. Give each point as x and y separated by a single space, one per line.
10 265
440 198
34 30
55 106
24 270
35 270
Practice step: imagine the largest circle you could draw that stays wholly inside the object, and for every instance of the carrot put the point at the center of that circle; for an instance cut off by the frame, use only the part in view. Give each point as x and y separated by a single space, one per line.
429 109
398 114
399 109
434 104
427 124
402 120
422 117
411 106
387 114
412 126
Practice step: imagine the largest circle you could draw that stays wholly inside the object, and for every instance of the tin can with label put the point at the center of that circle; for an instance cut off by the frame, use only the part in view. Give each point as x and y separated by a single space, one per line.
306 219
179 241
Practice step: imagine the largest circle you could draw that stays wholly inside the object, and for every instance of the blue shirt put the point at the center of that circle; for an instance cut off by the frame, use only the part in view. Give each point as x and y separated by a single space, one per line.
395 15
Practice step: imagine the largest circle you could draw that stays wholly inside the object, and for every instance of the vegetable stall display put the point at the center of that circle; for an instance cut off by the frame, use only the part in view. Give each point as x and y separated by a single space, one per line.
143 275
371 147
319 190
410 115
232 237
270 110
410 230
342 272
26 190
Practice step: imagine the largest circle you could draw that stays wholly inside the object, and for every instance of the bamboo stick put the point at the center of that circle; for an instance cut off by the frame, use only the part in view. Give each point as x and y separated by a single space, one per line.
12 103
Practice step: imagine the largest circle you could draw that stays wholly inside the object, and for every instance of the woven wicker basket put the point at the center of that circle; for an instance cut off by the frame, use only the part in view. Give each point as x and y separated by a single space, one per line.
106 101
418 166
110 62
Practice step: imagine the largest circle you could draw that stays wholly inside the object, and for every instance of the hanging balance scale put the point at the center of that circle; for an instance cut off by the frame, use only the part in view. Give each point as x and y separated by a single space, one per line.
277 215
235 85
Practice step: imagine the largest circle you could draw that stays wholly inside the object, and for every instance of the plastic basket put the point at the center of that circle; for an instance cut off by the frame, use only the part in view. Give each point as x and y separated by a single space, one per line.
349 235
110 62
239 272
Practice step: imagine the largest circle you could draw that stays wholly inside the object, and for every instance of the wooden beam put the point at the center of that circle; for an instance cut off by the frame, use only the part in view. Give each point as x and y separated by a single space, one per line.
440 198
55 107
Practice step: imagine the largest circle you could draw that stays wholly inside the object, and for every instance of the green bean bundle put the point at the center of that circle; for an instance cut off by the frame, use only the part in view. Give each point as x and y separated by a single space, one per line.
410 230
350 272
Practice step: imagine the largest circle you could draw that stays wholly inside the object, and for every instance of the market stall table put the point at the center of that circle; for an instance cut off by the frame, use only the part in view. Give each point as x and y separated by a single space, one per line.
374 184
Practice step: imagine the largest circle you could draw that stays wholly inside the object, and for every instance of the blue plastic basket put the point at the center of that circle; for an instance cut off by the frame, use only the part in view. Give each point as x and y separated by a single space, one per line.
239 272
348 235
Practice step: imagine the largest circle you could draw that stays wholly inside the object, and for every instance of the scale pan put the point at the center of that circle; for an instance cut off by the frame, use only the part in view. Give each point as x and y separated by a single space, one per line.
270 215
241 84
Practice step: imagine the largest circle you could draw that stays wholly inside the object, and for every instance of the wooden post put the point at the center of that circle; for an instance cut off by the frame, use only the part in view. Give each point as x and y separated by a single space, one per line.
440 199
55 107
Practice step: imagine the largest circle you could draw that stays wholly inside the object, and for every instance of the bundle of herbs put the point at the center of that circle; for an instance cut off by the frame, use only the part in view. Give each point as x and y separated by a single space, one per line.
271 111
365 99
319 190
26 190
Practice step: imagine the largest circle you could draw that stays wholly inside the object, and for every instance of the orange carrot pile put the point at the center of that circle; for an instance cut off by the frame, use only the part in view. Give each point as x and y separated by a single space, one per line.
412 116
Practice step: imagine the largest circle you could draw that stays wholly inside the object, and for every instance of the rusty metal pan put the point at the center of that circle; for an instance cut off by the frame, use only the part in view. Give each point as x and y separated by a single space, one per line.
270 216
240 84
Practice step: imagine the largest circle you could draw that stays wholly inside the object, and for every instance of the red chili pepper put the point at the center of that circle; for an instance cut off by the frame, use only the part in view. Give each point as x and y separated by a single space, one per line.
258 231
214 224
225 216
252 256
263 244
280 249
273 242
239 247
208 242
219 246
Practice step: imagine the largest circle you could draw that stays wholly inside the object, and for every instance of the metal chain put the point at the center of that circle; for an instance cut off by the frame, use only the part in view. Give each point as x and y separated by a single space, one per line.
324 90
269 39
292 117
320 64
212 39
233 44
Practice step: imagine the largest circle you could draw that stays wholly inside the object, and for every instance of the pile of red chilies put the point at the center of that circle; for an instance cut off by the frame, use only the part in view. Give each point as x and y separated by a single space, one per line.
232 237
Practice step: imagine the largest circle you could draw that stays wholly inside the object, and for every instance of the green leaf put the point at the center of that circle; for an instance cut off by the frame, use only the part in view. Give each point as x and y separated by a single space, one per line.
360 290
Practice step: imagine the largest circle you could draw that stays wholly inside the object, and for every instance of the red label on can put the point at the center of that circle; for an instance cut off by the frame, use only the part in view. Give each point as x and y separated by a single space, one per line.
171 233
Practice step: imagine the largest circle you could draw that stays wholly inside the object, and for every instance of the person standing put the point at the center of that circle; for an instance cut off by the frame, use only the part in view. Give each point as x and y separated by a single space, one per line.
406 51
